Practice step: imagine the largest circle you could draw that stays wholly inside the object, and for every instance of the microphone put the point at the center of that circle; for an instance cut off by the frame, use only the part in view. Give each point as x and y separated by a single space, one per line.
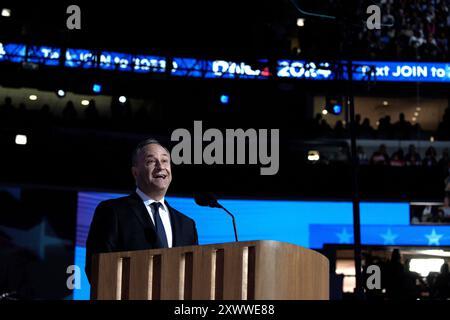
208 199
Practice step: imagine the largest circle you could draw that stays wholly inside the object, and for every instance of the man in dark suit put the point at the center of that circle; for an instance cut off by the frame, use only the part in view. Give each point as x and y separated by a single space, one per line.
143 220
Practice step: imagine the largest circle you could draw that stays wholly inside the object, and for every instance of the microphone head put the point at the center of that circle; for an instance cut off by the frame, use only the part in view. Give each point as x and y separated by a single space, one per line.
206 199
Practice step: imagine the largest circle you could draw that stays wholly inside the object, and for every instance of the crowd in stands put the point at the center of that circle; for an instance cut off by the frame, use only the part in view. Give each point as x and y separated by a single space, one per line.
120 116
398 282
412 30
400 159
432 213
400 130
386 130
412 158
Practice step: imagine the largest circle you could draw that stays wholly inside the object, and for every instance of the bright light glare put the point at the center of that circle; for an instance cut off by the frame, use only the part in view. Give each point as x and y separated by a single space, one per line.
6 12
313 156
435 252
21 139
425 266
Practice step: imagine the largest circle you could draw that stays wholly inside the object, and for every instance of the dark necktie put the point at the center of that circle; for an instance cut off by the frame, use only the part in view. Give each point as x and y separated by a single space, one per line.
159 227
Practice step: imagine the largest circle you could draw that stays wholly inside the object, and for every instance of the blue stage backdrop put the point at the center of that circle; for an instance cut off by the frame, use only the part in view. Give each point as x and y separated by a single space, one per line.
306 223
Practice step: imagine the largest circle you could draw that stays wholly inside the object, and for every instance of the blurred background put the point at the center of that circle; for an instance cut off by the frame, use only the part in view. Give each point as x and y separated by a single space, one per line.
74 103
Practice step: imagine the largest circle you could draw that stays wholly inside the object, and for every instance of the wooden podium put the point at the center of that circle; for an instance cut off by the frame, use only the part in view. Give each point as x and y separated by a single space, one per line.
256 270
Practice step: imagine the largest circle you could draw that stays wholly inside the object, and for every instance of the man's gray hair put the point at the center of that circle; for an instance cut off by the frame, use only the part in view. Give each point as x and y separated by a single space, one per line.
141 145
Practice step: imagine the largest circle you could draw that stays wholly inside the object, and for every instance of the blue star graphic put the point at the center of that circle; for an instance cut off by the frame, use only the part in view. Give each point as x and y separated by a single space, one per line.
344 236
433 238
36 239
389 237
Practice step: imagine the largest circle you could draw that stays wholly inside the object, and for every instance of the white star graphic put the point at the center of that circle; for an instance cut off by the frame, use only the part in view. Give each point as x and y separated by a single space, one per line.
389 237
344 236
433 238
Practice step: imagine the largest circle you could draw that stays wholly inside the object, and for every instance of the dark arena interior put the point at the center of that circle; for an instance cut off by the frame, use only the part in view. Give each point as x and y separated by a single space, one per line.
322 124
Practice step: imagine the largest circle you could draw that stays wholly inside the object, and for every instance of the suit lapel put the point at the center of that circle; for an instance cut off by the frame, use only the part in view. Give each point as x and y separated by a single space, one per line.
141 211
174 223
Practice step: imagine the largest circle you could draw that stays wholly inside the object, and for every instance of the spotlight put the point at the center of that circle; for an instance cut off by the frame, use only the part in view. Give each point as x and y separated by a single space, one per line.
337 109
300 22
85 102
385 103
224 99
33 97
122 99
313 155
21 139
97 88
324 112
416 114
334 104
6 12
61 93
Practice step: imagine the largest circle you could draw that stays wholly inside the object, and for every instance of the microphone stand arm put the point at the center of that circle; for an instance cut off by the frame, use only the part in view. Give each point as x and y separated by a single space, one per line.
232 217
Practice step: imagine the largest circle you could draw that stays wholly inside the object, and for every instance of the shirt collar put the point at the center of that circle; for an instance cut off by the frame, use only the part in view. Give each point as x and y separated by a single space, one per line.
148 201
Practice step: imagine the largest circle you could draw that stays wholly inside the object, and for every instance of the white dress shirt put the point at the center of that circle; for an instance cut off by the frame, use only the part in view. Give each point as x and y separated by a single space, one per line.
163 213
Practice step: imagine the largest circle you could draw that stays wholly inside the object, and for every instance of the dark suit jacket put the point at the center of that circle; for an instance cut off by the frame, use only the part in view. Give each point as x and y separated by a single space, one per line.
124 224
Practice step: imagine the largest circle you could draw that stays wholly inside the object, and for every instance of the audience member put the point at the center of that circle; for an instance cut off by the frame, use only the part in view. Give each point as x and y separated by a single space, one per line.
402 128
394 273
69 113
444 211
413 284
412 158
442 284
397 159
380 157
385 128
444 162
362 156
430 157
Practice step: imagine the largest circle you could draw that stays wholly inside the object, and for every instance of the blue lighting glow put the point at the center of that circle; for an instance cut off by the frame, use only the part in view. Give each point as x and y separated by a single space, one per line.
85 59
12 52
337 109
45 55
97 88
224 99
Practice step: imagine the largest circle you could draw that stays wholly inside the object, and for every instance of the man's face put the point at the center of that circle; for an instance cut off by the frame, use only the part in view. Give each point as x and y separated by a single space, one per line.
152 169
